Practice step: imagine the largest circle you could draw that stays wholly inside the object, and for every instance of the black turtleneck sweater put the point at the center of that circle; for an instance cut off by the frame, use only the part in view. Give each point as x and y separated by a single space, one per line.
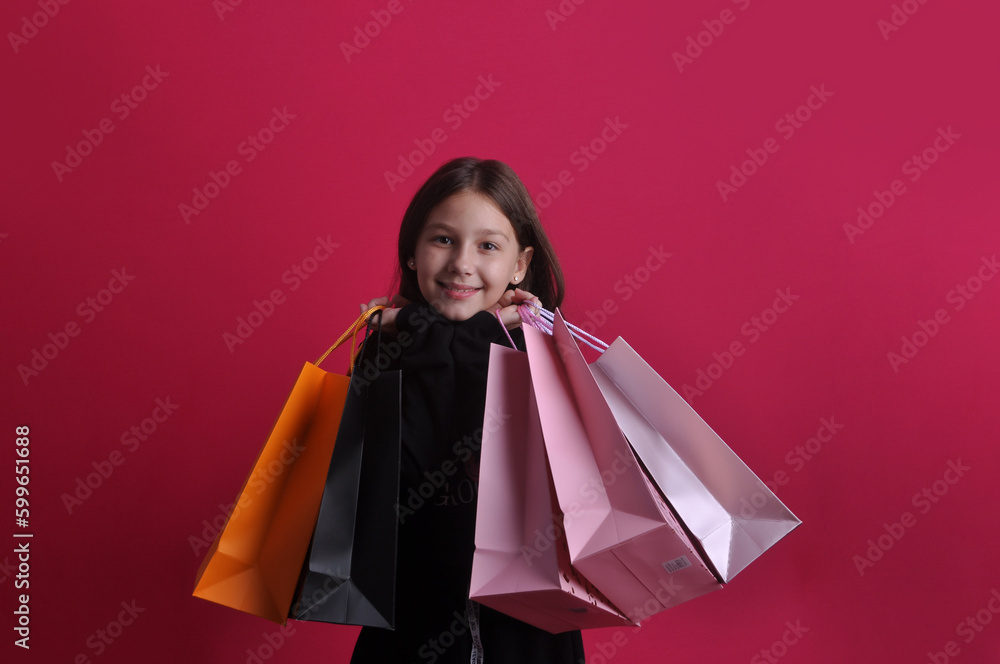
444 365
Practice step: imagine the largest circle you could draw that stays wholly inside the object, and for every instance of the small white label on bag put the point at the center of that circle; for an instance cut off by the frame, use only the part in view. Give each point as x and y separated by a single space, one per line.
676 564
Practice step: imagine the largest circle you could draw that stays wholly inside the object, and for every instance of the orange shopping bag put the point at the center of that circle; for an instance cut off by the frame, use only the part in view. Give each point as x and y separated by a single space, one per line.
255 561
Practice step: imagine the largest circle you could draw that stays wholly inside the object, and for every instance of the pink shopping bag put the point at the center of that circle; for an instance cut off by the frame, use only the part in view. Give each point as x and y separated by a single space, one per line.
521 564
620 532
726 507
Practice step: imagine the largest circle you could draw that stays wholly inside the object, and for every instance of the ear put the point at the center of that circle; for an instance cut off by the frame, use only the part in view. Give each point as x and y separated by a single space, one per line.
523 260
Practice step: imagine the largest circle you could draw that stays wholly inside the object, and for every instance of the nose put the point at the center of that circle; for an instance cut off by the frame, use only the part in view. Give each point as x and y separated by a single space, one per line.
461 260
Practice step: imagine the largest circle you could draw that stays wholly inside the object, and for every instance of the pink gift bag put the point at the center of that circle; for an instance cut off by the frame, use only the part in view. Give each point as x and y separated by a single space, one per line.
724 505
521 564
730 512
621 534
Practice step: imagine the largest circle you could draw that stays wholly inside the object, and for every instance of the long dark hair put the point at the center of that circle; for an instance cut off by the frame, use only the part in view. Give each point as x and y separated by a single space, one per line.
498 182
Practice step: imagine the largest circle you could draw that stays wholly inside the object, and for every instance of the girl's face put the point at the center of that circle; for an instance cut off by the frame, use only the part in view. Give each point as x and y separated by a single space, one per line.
466 255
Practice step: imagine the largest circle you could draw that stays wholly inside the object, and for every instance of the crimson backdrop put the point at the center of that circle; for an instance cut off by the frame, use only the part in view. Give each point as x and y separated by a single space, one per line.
700 167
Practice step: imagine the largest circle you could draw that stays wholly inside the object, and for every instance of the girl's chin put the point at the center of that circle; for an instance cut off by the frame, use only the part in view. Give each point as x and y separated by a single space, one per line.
459 310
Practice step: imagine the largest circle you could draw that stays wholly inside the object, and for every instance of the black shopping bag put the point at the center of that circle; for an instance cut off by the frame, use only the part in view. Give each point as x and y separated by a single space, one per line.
349 576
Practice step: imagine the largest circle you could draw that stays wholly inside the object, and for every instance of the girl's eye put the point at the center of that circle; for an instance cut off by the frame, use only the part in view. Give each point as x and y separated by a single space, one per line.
441 239
489 246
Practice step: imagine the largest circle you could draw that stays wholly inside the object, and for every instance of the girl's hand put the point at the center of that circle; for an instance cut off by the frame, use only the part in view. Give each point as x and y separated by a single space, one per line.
389 314
508 306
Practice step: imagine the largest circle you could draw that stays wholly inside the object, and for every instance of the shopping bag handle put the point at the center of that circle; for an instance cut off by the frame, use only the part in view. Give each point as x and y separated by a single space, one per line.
542 321
509 338
360 324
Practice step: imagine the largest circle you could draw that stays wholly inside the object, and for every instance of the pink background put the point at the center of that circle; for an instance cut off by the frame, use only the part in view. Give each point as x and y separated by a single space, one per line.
648 199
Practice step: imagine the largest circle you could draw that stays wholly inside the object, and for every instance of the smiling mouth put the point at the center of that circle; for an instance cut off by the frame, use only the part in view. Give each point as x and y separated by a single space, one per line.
457 291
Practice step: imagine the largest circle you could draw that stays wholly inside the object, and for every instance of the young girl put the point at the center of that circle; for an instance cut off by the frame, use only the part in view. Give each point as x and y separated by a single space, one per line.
470 244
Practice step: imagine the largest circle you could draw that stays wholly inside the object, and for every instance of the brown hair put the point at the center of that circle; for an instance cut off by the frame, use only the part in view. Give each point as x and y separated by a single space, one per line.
498 182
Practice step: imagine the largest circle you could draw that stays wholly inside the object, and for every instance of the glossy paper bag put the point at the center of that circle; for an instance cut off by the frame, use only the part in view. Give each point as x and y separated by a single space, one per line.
521 563
726 507
349 576
621 534
254 563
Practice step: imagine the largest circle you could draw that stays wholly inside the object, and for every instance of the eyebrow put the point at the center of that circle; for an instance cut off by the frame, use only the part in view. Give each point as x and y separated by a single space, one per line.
481 231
